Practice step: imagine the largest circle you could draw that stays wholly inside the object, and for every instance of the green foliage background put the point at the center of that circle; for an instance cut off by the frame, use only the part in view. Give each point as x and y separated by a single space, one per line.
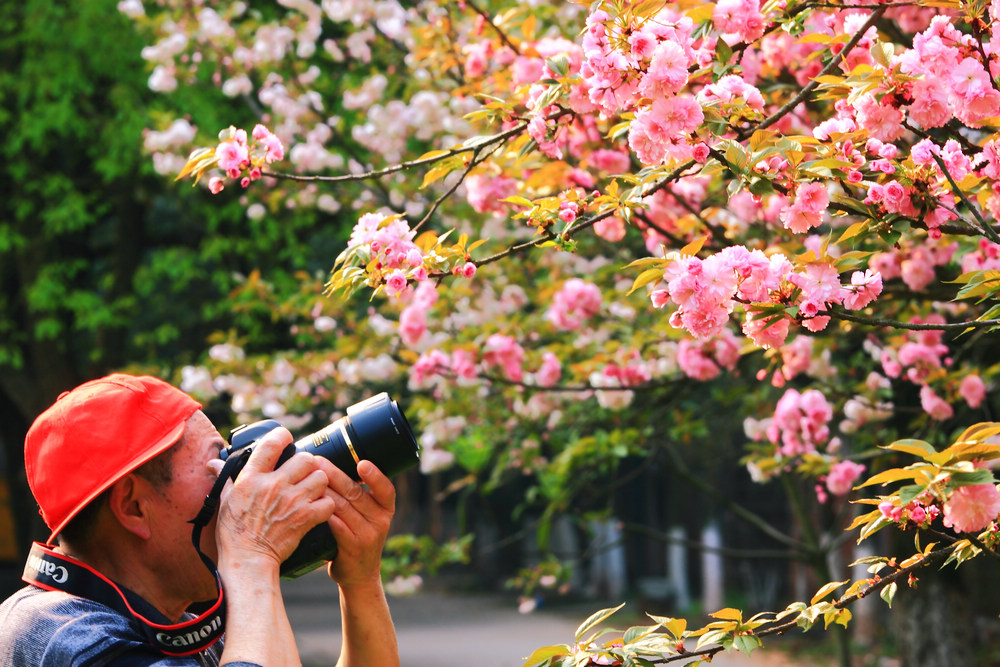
104 263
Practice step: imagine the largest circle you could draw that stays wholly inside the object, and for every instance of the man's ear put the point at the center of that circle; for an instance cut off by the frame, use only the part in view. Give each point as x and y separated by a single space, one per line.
129 504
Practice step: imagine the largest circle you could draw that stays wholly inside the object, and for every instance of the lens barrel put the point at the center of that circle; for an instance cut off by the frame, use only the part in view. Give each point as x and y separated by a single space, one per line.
374 429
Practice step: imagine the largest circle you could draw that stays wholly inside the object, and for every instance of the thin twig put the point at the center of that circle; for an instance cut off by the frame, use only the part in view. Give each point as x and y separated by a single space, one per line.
984 226
830 66
402 166
489 21
782 628
913 326
681 468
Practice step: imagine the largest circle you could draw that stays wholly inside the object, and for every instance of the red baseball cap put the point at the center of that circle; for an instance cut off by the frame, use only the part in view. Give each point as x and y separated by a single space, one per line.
94 435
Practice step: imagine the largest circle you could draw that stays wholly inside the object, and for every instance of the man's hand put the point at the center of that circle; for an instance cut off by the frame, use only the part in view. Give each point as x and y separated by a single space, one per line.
266 512
360 522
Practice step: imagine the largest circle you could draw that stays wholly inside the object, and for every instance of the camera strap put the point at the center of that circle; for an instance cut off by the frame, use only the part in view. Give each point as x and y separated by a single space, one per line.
53 571
229 471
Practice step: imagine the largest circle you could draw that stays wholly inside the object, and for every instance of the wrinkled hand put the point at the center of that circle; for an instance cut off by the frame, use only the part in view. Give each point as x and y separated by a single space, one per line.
266 512
360 522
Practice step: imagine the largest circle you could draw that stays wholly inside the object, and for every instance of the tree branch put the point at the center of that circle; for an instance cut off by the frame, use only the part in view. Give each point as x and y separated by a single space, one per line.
489 21
830 66
402 166
984 226
782 628
681 468
913 326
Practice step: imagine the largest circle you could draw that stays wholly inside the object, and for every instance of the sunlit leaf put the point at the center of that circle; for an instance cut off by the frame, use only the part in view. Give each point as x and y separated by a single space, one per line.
596 619
826 590
728 614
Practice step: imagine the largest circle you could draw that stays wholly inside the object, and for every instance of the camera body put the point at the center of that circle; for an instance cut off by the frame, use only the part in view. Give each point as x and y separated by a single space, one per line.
374 429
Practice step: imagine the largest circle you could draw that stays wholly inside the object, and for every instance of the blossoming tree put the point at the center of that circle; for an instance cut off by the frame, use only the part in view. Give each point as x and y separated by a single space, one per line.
571 219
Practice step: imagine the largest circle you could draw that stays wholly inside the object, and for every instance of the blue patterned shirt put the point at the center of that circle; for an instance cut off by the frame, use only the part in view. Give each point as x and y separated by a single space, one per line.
41 628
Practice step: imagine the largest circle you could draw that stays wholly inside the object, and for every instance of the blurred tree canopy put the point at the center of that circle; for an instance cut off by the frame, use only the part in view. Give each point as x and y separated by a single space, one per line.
103 262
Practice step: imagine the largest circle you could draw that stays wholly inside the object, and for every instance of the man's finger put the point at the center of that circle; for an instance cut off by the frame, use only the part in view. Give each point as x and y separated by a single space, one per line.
382 489
267 450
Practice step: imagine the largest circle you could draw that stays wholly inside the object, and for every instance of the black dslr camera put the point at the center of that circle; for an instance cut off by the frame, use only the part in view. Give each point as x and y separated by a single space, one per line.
374 429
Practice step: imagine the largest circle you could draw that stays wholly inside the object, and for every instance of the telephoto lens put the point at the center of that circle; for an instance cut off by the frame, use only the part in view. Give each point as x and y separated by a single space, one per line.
374 429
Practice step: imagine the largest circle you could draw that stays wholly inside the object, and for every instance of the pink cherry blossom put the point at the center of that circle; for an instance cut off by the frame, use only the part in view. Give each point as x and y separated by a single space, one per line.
610 229
806 211
864 288
429 364
395 283
973 390
550 372
504 352
232 155
800 422
739 17
935 406
842 476
485 193
576 302
706 359
970 509
412 324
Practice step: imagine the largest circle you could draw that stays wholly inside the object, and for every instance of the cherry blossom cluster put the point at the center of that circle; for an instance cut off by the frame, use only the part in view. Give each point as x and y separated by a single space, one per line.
967 509
706 358
629 372
801 423
576 302
842 476
920 511
654 67
920 358
242 159
706 292
413 318
386 243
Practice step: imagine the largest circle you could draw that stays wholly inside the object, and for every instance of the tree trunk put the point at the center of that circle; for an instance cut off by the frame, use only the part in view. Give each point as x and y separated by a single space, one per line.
933 623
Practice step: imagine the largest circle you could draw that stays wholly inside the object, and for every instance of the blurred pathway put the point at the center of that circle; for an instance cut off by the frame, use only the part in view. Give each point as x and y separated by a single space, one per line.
444 629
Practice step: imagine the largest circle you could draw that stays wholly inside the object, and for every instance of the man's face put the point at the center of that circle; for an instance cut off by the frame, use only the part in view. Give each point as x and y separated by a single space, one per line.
180 500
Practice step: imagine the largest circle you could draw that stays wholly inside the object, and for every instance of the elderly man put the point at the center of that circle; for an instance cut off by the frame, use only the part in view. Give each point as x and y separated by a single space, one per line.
119 467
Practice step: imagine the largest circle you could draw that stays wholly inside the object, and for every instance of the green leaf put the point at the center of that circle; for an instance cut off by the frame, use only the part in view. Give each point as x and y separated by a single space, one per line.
637 632
909 492
826 590
543 655
888 593
596 619
746 643
916 447
760 187
973 478
712 637
736 157
888 476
